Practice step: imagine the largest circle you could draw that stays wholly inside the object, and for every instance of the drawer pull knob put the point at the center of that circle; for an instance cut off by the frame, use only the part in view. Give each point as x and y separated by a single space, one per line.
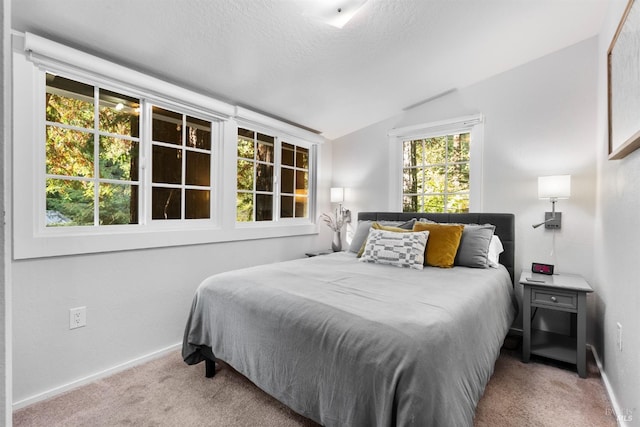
554 299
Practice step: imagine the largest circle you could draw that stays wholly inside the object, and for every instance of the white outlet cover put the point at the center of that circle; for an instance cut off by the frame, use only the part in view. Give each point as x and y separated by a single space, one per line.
619 336
77 317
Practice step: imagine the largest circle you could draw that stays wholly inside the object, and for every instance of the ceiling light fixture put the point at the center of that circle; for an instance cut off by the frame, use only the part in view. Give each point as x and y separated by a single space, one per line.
335 12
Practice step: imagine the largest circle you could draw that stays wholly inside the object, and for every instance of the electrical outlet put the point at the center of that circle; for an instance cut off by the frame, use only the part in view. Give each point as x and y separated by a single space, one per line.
619 336
77 317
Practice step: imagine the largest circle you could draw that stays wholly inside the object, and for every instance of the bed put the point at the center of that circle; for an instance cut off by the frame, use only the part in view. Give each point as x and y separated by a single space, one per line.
350 343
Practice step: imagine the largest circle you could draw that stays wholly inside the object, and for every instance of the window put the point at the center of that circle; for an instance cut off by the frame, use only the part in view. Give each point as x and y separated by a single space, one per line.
85 123
109 159
437 166
257 195
92 152
436 174
294 182
255 176
181 166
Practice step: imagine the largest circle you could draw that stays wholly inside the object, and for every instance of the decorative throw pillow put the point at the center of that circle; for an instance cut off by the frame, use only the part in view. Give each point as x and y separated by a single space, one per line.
389 226
362 231
474 245
443 243
397 249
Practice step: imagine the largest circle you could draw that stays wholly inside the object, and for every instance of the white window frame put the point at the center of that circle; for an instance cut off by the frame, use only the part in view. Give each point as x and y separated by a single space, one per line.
216 142
282 132
279 138
474 124
33 56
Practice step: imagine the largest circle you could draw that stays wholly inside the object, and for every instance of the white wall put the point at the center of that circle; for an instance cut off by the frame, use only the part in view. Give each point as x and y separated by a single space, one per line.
540 119
137 301
616 251
5 290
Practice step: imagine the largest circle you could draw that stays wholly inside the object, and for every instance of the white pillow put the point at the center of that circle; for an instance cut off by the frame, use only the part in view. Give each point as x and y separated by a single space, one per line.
495 249
397 249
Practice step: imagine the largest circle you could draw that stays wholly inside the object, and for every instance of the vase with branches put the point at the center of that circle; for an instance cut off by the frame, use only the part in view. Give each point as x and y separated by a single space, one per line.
335 223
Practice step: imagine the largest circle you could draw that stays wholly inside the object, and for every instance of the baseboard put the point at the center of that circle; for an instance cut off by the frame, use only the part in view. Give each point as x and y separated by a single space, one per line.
94 377
621 419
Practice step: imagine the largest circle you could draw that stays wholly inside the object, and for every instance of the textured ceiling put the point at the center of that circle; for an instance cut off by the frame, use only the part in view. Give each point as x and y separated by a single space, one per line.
271 57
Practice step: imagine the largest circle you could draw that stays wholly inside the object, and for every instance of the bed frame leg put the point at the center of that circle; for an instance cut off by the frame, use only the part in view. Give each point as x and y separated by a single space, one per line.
210 368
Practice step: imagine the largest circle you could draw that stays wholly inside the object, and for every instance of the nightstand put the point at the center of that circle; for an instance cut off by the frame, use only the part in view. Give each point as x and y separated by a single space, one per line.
316 253
559 292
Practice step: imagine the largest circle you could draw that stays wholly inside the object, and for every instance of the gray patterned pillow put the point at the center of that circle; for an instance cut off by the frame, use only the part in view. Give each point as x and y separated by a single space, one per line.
398 249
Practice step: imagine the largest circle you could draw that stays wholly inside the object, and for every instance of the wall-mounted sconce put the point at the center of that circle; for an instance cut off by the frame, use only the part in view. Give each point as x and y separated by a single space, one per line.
337 196
553 188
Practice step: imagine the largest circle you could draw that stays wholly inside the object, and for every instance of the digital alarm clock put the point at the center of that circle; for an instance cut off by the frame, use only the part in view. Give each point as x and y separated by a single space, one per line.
540 268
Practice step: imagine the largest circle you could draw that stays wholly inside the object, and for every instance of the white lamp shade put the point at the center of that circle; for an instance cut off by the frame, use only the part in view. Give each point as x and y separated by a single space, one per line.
337 195
554 187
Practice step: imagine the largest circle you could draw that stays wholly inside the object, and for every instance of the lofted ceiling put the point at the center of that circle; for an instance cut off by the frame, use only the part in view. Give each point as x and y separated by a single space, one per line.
269 56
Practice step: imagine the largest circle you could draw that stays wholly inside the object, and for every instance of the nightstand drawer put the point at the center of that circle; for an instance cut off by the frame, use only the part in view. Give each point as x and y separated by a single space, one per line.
554 298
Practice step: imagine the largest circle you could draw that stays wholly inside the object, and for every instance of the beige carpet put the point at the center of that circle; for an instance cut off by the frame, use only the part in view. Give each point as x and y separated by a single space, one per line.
166 392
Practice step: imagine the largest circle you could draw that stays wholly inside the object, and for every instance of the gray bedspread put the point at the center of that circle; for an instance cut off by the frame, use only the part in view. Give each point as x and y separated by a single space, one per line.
348 343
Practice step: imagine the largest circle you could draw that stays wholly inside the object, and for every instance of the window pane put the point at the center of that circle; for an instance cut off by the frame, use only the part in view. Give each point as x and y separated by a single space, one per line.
245 175
69 102
410 180
412 153
264 207
458 203
246 133
166 126
410 204
286 180
265 151
118 159
69 202
118 204
433 203
165 203
69 152
167 165
459 147
302 204
286 207
458 178
119 114
302 158
198 133
434 180
287 154
197 204
244 207
198 168
436 149
245 143
264 177
302 181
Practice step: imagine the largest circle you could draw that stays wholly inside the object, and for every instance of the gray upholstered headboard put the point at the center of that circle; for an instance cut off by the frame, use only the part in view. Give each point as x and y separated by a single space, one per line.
505 227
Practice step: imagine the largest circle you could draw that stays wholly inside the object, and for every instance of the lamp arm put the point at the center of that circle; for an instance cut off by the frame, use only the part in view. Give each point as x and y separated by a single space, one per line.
543 222
553 213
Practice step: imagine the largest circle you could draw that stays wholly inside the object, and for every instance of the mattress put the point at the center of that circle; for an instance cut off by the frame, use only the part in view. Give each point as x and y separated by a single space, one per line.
348 343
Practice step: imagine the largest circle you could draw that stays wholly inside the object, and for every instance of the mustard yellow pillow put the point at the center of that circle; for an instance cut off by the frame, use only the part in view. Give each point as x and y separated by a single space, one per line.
378 226
443 243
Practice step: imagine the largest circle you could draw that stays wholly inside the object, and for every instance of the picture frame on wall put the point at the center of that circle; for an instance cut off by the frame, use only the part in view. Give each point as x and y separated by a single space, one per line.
623 71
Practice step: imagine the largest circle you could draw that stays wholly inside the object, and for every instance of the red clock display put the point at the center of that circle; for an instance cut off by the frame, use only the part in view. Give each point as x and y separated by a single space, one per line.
537 267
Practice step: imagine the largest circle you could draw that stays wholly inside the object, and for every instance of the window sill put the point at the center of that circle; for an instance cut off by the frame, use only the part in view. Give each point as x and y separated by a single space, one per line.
125 238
